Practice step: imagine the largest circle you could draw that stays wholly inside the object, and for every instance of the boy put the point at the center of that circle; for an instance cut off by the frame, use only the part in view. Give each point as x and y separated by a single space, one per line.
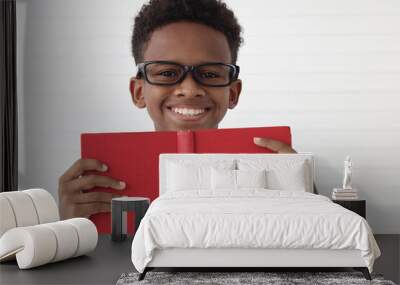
186 52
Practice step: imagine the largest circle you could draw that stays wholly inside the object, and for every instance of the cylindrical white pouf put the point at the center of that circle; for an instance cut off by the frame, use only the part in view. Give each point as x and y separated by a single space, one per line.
7 218
46 206
87 234
23 208
35 245
67 239
40 244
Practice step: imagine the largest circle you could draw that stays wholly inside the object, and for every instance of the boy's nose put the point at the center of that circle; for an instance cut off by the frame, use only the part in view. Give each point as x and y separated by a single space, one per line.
189 87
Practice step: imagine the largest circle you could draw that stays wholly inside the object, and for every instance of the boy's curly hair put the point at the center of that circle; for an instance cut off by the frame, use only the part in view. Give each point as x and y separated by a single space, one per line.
158 13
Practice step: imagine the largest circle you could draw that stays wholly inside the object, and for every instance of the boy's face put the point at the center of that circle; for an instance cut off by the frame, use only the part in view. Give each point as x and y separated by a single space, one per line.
189 44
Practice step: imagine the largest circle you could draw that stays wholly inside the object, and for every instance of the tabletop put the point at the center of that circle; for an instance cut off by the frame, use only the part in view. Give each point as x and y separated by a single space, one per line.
104 265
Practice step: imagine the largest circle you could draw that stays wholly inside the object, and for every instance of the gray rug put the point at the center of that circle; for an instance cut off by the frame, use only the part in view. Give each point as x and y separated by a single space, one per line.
269 278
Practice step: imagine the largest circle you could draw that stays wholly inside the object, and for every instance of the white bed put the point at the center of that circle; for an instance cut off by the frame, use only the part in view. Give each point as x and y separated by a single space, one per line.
201 220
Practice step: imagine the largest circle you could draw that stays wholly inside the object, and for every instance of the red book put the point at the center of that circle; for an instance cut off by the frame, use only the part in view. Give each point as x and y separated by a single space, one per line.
133 157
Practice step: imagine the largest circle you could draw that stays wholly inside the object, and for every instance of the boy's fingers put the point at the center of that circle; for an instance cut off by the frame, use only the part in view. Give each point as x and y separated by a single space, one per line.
80 166
94 197
274 145
88 182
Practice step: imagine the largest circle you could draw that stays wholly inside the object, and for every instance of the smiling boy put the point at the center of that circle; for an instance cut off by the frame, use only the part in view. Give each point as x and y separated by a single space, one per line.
195 102
186 52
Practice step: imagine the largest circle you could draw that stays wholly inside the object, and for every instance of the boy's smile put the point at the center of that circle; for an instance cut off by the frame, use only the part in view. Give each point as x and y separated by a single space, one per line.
188 104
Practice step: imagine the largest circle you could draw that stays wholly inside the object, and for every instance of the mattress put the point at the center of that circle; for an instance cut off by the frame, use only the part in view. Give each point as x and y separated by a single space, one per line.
250 219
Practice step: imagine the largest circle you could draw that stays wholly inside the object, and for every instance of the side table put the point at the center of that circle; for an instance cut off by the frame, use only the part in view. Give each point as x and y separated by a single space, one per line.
119 207
357 206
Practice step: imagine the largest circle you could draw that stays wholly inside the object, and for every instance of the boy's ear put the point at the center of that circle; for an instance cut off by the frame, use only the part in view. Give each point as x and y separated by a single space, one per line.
235 89
136 88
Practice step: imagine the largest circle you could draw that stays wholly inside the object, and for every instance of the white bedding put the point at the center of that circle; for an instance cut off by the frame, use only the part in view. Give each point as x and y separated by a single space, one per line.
250 218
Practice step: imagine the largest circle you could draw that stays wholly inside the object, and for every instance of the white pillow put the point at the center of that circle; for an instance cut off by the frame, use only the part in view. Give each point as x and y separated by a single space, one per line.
189 175
290 175
236 179
293 178
251 178
223 179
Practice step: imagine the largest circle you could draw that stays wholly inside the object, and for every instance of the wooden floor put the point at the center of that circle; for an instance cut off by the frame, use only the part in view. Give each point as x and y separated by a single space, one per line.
389 262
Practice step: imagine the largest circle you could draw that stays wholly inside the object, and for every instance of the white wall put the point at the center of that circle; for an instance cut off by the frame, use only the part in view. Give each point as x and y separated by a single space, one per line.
328 69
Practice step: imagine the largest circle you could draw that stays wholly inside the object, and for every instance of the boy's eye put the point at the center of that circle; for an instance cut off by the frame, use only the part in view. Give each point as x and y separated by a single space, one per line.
163 72
209 75
168 73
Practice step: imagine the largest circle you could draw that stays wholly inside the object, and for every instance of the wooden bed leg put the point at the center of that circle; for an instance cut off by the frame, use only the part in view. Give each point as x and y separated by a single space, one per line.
143 274
364 271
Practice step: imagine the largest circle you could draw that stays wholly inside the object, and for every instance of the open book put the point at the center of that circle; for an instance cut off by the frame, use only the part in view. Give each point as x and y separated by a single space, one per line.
132 157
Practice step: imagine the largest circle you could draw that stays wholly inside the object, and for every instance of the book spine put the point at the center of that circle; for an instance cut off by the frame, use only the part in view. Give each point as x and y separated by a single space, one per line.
345 198
185 141
345 194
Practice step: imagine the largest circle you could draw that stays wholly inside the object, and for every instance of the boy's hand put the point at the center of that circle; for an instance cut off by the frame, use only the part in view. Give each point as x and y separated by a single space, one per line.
274 145
74 201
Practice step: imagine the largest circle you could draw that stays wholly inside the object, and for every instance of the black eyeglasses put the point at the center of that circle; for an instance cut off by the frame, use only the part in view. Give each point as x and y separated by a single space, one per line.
214 74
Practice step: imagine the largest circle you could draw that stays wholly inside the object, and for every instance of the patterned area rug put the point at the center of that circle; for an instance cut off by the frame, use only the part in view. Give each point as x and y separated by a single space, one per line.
269 278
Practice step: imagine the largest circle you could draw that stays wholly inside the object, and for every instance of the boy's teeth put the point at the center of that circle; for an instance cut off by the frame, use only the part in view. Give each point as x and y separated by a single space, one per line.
190 112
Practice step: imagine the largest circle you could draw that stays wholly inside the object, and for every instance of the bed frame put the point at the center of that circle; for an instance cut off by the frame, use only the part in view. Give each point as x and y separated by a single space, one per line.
248 259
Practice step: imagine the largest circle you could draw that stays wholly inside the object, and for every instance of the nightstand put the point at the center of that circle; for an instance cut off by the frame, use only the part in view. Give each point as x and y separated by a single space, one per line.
119 208
357 206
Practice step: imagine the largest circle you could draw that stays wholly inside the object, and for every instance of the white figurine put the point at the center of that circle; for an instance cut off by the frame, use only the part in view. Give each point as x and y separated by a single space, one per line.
347 173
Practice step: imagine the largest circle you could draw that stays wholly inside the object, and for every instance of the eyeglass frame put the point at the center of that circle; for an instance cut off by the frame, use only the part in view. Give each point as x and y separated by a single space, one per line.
187 69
